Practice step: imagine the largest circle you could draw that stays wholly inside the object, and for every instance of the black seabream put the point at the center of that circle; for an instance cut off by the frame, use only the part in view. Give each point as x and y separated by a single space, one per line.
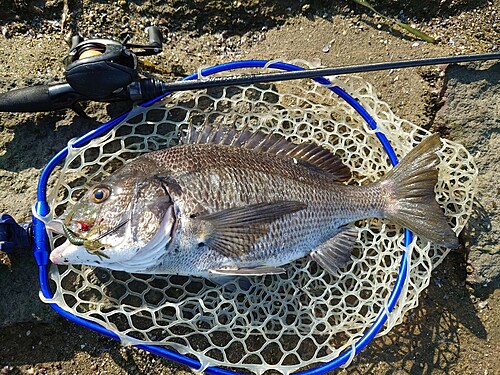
227 202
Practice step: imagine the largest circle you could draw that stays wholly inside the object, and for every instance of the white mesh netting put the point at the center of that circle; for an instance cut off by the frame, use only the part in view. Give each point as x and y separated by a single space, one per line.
291 321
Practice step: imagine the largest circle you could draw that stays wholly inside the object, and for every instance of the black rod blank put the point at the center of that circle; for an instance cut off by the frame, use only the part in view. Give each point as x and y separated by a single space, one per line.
248 79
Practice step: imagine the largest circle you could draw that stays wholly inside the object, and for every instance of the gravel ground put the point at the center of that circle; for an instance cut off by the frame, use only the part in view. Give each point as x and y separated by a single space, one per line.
455 330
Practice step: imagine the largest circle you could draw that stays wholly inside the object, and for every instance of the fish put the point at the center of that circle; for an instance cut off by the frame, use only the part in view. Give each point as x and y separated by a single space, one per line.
229 203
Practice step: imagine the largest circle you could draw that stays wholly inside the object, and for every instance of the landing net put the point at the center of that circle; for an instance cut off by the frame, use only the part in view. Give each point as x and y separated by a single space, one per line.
289 322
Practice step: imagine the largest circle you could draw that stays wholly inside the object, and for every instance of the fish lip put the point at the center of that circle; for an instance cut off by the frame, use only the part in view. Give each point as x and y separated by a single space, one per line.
62 254
56 256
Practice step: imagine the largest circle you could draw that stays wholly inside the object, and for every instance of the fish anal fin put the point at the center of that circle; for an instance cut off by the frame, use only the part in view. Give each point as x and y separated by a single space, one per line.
234 231
336 252
310 154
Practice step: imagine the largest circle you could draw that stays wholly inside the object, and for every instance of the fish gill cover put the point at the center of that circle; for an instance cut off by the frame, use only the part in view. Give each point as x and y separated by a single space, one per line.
286 322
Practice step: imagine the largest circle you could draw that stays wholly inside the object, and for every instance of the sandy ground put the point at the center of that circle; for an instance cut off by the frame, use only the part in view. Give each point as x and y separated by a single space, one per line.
455 330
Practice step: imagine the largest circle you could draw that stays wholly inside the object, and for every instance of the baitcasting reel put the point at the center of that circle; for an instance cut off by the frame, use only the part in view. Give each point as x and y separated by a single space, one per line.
103 70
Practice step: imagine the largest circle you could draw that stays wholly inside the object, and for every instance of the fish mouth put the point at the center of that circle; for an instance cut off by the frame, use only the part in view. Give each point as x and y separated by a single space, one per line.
91 245
59 227
57 256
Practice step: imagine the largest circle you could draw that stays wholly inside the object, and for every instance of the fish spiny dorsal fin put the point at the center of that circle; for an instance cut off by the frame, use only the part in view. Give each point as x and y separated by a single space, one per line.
308 154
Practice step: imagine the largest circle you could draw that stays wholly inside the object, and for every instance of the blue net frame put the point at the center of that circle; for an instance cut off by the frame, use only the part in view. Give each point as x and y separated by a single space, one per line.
41 242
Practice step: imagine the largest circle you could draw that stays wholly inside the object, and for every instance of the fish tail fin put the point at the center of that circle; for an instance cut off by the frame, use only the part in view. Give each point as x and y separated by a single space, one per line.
409 190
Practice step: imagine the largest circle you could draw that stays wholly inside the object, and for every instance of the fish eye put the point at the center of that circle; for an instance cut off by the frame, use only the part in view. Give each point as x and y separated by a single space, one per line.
100 194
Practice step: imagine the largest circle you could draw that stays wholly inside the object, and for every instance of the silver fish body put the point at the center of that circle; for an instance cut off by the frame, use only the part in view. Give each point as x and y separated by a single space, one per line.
241 203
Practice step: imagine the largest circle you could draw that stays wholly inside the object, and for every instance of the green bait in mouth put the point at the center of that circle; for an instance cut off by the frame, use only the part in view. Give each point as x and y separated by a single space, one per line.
72 236
92 246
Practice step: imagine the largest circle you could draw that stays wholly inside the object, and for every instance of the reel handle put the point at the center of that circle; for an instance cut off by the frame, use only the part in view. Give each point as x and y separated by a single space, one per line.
42 98
154 46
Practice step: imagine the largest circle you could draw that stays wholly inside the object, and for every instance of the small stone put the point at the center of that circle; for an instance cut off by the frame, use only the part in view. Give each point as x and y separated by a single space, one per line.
5 32
315 62
482 304
326 48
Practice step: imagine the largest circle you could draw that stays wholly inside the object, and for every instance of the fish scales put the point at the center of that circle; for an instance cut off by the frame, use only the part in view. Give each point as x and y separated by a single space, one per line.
244 178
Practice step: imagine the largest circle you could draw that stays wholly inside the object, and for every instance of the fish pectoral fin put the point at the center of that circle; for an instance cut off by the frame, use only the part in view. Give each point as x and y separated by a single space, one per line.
234 231
255 271
336 252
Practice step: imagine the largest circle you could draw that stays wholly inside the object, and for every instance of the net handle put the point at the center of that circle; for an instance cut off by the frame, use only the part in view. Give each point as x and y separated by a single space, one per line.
41 246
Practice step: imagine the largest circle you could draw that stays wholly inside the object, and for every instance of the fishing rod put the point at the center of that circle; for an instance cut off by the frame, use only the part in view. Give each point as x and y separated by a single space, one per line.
249 79
106 70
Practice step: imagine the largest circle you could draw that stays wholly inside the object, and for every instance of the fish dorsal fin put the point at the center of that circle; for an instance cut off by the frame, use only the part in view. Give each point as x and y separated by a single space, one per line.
308 154
234 231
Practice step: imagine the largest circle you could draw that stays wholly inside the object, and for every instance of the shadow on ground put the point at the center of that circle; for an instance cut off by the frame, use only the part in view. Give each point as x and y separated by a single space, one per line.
212 16
38 137
428 341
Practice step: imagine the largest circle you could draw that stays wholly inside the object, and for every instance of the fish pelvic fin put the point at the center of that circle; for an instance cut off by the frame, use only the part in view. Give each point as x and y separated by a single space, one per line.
410 197
234 231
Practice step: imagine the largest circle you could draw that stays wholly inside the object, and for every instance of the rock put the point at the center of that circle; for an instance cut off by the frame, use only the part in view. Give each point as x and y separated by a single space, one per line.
471 117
